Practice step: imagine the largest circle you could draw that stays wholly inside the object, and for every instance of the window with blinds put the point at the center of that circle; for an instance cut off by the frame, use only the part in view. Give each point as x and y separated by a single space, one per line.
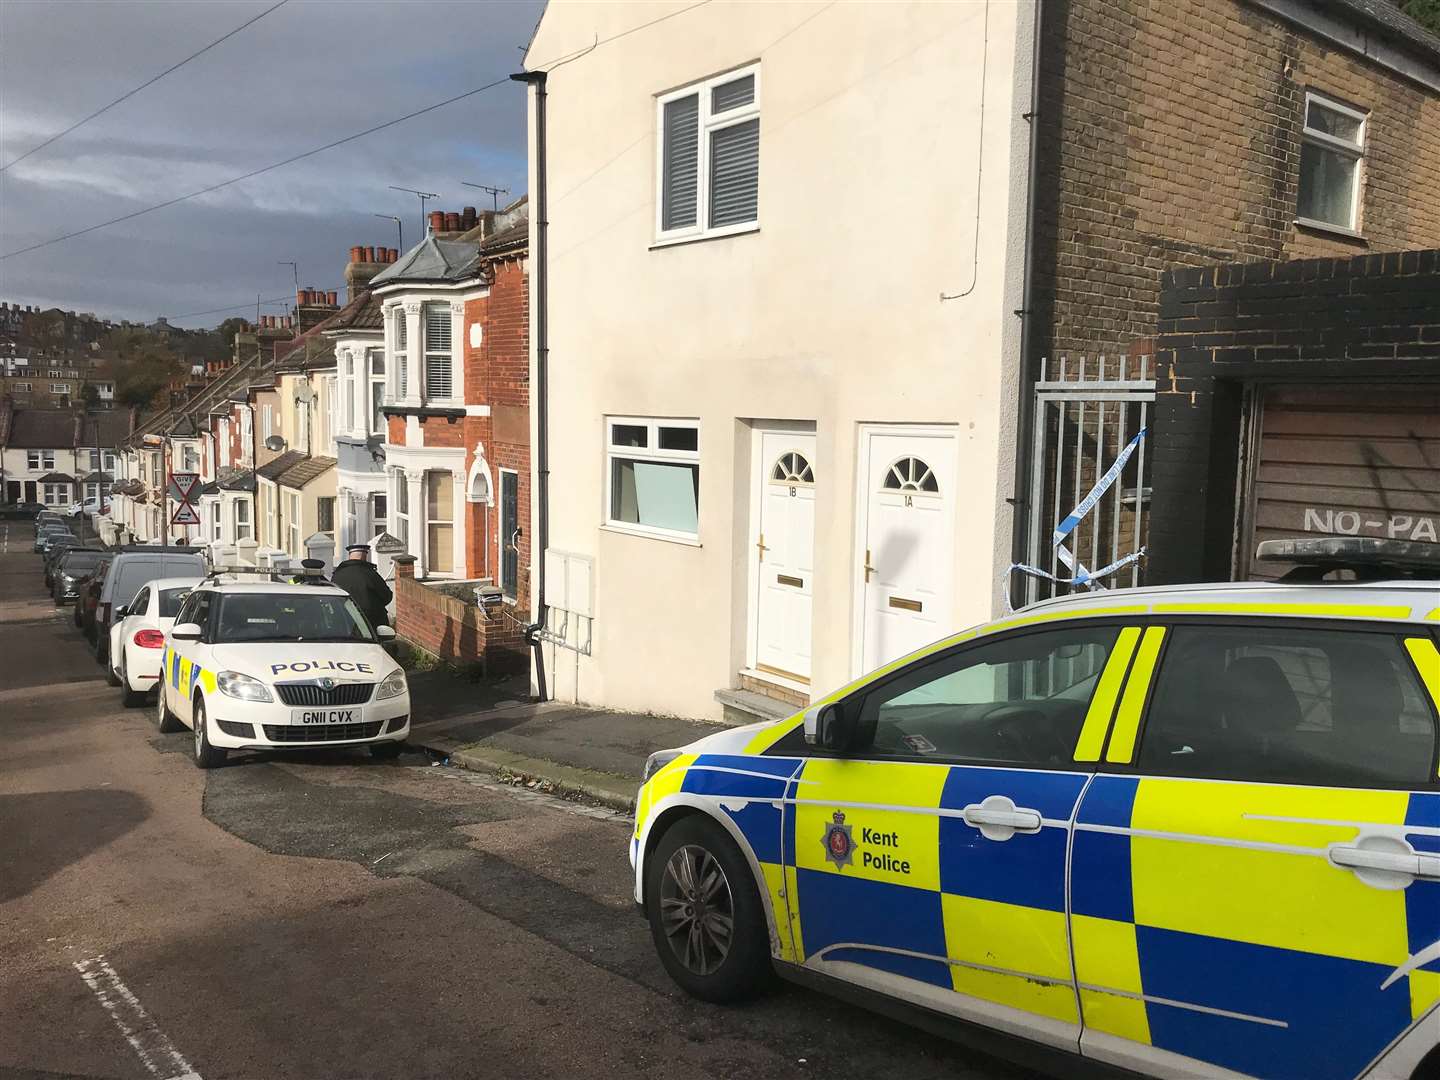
401 343
709 147
439 369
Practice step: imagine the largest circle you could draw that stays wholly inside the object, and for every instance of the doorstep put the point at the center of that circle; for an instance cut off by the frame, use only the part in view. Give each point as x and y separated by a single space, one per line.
747 707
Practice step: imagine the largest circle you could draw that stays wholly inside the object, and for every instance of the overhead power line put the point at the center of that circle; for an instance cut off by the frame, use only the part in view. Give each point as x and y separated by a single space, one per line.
149 82
503 80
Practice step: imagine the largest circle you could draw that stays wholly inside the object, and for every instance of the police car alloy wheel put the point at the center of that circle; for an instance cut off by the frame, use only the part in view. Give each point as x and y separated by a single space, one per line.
206 756
705 914
165 720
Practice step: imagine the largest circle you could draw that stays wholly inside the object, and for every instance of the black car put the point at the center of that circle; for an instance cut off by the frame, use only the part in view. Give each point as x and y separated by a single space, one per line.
21 509
88 598
70 570
56 552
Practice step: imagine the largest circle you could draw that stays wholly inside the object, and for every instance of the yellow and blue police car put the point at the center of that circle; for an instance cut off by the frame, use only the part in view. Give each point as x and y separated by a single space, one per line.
1183 831
253 663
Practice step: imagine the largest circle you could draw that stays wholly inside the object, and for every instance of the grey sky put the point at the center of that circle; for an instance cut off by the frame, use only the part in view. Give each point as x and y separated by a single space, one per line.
313 71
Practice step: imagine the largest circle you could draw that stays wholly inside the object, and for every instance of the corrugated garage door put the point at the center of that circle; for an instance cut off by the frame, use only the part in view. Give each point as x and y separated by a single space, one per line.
1344 461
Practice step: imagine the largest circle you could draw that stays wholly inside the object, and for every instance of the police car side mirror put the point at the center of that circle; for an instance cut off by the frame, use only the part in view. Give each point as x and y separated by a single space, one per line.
186 631
385 633
830 727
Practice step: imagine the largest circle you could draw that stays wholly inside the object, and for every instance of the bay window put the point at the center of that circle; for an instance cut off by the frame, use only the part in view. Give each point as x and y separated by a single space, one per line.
439 365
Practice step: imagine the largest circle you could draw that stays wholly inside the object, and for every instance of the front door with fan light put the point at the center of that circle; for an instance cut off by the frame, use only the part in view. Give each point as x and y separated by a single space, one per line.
784 554
907 576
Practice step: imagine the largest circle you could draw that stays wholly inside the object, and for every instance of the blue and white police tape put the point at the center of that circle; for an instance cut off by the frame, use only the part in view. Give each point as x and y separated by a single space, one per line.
1089 578
1079 574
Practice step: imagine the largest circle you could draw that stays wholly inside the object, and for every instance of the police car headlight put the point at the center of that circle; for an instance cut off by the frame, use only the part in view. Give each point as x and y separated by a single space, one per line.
393 686
233 684
657 761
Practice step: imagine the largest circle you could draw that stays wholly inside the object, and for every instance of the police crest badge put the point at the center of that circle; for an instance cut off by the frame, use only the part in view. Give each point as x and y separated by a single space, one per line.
839 846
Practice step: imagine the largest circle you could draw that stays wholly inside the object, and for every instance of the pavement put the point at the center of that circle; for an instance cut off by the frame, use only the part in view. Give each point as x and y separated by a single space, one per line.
594 754
325 915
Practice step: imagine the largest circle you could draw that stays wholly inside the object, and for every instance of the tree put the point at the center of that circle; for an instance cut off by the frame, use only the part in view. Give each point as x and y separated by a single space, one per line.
1425 12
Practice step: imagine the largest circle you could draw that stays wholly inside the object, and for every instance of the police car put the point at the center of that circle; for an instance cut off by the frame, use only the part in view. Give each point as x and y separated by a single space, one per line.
253 664
1183 831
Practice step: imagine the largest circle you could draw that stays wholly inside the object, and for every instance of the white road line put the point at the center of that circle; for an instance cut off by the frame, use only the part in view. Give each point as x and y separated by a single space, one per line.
156 1052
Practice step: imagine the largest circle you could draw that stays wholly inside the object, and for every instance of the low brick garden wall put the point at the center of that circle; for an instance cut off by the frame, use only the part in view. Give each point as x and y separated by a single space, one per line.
455 629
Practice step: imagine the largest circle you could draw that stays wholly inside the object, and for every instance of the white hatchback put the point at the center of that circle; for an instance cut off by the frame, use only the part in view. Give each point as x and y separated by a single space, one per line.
263 665
137 635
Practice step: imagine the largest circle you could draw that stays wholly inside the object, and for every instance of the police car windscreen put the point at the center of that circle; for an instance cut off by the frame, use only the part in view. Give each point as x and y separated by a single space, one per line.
170 601
290 616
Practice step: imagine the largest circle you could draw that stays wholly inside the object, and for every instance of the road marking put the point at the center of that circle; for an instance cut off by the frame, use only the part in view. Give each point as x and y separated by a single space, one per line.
156 1052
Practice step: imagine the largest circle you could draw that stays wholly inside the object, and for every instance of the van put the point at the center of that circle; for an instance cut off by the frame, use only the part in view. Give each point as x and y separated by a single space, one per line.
133 566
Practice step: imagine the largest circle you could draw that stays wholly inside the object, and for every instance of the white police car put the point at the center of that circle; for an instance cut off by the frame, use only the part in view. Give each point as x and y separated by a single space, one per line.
1190 831
263 664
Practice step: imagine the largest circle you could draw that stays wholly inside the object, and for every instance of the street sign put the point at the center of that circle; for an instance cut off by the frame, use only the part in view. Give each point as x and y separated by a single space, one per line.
184 486
185 514
385 544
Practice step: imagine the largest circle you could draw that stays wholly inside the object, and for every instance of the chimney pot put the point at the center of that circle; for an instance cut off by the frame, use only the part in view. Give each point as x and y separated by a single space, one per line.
331 297
467 217
299 297
394 254
452 222
357 254
437 221
369 254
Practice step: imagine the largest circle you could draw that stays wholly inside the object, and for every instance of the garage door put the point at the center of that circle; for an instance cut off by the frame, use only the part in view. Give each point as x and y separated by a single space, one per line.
1344 461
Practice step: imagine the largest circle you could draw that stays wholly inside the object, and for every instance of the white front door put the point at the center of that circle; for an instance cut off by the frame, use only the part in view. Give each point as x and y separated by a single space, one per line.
908 573
784 551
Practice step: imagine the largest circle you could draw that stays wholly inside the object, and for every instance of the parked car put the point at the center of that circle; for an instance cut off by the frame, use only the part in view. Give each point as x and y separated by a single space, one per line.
87 598
57 549
46 534
137 638
89 507
1186 831
265 664
132 567
72 568
21 509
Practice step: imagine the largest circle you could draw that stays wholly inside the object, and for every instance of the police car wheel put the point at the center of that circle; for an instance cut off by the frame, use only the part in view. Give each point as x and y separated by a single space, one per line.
165 720
206 756
705 913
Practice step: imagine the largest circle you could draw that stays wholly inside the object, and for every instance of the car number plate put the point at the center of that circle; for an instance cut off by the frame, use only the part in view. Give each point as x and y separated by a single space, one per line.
325 716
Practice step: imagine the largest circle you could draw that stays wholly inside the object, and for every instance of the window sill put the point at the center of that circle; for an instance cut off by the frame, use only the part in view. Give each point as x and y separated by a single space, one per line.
700 238
645 534
1334 230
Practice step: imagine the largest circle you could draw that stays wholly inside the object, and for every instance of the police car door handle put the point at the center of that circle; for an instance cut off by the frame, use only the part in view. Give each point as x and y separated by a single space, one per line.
1358 858
998 818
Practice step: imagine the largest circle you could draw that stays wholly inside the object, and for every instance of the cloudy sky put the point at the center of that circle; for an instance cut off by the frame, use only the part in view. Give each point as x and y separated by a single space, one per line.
310 72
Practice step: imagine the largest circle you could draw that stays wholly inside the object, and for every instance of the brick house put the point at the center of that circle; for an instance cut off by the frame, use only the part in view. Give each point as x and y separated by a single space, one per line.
1172 138
456 401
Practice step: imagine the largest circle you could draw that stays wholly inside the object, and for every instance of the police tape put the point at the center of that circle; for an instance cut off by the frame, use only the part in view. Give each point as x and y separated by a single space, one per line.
1079 574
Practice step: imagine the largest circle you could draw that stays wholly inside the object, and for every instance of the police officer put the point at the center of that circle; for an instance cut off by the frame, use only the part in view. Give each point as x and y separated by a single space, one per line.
358 577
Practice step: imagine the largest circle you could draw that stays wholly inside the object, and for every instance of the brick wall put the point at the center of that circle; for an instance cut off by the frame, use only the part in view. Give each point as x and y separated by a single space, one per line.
1367 319
1170 138
456 630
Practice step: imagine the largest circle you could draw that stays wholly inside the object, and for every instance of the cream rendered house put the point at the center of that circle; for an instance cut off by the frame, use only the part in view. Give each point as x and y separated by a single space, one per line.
785 251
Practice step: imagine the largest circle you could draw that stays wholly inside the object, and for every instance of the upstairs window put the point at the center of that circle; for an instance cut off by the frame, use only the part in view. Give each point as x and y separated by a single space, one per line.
709 167
402 345
439 370
36 460
377 390
1332 148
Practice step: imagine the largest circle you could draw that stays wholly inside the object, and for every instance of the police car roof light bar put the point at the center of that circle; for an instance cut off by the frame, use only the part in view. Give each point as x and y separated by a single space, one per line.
1368 558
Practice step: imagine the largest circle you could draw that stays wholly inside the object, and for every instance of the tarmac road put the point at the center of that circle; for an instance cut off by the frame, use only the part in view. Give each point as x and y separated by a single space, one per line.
330 916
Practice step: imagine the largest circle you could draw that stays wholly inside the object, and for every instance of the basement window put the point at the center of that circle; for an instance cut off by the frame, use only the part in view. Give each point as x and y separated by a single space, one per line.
653 476
1332 152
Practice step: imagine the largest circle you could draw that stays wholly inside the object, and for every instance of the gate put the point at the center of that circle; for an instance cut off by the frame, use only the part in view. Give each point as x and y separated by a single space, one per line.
1086 411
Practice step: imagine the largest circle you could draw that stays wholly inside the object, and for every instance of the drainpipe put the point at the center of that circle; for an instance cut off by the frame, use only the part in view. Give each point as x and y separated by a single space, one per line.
1025 405
541 397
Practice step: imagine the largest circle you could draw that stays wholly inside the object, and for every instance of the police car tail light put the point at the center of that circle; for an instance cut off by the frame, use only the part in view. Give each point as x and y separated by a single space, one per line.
393 686
149 639
236 685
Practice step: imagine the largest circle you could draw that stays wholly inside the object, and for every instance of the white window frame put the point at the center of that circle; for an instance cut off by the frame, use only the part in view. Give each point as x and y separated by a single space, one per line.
55 494
394 511
243 527
22 387
59 388
397 358
379 523
444 307
650 452
295 536
348 390
320 501
1354 150
707 125
375 423
266 422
